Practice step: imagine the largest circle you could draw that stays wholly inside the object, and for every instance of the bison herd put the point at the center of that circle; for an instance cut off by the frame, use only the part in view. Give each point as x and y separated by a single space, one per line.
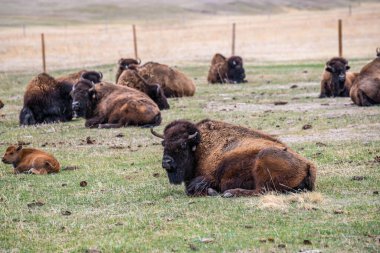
209 157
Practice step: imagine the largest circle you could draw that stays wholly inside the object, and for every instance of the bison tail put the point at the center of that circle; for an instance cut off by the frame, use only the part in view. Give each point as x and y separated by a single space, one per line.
27 117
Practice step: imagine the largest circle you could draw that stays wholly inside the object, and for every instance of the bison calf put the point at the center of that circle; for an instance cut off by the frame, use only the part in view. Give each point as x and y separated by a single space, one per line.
223 70
366 88
106 105
124 64
30 160
213 156
336 81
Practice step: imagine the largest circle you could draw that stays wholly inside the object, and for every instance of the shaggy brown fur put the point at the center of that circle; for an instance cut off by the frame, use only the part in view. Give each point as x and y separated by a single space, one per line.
124 64
45 101
30 160
336 81
223 70
154 91
73 78
366 88
173 82
106 105
215 156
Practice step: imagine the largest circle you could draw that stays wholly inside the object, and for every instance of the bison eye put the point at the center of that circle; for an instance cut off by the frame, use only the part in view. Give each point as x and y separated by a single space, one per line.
183 145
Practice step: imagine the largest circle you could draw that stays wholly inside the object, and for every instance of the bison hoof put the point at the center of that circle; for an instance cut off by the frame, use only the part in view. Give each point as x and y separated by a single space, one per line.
228 194
212 192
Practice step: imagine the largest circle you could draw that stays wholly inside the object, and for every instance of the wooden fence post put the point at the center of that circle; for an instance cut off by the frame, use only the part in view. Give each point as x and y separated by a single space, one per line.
233 38
340 38
135 40
43 52
349 10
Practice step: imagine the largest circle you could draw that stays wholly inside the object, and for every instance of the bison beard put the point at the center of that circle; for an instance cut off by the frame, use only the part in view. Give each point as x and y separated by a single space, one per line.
250 163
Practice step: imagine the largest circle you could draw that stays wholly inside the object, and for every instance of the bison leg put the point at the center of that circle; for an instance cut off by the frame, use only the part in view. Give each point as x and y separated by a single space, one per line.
94 122
40 171
109 125
280 170
364 99
200 186
239 192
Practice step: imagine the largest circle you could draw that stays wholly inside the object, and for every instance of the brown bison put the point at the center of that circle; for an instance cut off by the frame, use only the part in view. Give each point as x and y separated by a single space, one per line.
46 101
213 156
154 91
336 81
223 70
30 160
106 105
173 82
124 64
73 78
366 88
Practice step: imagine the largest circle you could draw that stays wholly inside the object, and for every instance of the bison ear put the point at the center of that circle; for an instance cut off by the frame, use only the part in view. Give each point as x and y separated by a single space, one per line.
19 148
347 67
329 69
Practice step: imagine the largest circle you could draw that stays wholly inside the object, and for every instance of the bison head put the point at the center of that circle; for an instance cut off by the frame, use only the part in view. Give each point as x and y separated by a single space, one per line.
236 72
337 66
11 154
158 96
84 98
93 76
125 62
180 142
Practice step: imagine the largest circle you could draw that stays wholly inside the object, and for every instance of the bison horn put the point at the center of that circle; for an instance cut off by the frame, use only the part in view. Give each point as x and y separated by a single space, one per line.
378 51
191 136
156 134
101 75
138 61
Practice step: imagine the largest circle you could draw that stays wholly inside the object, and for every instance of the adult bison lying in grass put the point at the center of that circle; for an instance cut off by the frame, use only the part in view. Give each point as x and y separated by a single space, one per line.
173 82
213 156
48 100
223 70
30 160
106 105
131 77
366 88
336 80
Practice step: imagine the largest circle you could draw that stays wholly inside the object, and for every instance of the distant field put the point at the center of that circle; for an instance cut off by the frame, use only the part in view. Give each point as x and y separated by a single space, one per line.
287 36
129 206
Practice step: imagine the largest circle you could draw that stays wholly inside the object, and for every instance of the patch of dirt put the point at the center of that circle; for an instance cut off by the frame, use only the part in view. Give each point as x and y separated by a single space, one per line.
362 133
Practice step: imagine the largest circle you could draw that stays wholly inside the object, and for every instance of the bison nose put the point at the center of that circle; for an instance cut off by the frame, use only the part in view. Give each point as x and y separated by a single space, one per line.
342 77
168 163
75 106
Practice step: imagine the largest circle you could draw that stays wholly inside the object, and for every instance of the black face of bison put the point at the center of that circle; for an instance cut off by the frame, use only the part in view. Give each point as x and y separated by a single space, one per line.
125 62
236 71
337 67
84 95
158 96
180 141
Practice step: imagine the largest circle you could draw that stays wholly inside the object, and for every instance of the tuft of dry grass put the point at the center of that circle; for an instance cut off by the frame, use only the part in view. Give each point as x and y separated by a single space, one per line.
275 201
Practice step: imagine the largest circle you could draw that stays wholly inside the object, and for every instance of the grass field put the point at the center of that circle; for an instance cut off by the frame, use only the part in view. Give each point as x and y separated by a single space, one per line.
129 206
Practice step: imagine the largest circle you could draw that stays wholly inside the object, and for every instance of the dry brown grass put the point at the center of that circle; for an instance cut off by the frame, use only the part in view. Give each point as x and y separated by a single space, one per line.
296 35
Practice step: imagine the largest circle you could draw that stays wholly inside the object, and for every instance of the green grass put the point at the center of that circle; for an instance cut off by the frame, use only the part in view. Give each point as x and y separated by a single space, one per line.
129 206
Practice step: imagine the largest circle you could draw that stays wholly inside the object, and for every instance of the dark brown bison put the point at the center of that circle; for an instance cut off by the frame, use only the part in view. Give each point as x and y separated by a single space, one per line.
124 64
336 81
73 78
366 88
46 101
107 105
213 156
154 90
223 70
30 160
173 82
